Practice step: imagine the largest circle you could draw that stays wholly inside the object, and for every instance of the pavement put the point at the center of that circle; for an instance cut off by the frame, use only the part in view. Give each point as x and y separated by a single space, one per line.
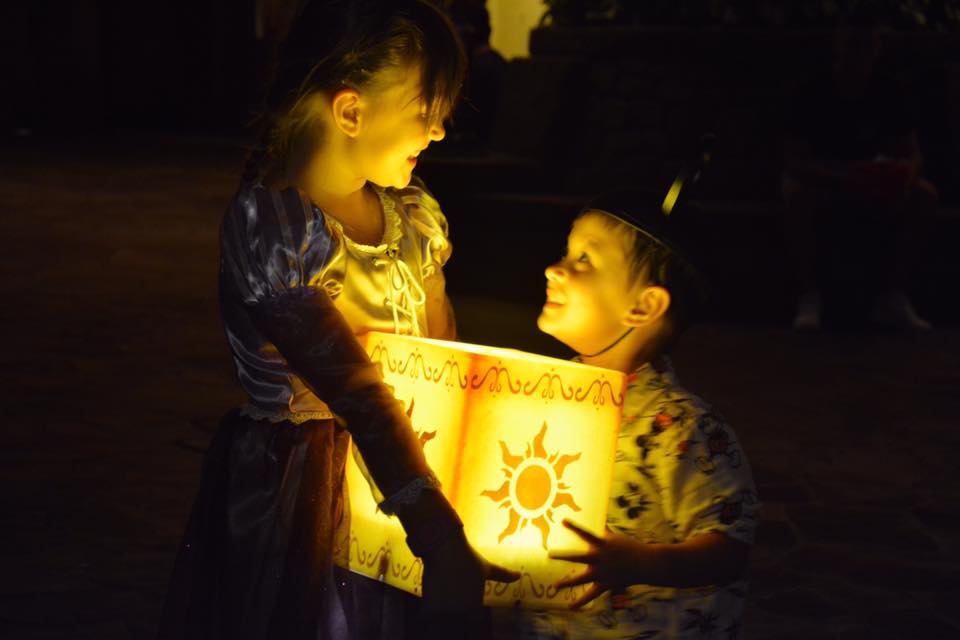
114 371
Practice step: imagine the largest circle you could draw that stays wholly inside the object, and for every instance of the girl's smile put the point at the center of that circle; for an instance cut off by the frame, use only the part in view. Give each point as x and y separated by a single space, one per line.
394 132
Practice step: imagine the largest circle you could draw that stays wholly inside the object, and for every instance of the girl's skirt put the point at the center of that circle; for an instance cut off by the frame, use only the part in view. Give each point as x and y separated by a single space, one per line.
269 523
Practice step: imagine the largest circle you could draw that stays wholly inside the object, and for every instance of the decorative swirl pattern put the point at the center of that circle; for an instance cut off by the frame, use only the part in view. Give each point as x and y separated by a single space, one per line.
403 571
541 590
495 588
598 398
497 379
496 385
364 557
548 393
415 363
386 561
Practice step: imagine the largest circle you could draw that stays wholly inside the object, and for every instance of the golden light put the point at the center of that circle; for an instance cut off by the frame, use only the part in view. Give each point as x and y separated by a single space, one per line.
518 441
533 488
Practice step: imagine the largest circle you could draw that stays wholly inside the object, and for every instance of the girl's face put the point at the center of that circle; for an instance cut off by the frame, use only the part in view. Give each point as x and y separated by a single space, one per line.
394 130
588 291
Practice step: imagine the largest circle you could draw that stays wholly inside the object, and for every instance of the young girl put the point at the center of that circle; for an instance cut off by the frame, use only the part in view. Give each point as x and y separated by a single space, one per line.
325 239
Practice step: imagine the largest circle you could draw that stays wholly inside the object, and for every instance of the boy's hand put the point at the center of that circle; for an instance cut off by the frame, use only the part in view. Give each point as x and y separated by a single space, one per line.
616 561
612 561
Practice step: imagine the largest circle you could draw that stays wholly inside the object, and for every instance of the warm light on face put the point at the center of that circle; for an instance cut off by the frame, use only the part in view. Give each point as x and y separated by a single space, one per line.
589 293
518 441
396 130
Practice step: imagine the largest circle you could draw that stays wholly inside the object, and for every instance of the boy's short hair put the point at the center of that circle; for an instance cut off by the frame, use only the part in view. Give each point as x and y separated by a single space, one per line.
659 253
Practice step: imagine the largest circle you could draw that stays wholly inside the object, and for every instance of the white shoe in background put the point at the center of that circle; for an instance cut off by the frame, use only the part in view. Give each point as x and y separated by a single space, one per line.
809 309
893 309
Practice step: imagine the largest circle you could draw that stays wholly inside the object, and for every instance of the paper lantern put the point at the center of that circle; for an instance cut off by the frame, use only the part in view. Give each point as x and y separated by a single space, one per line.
518 441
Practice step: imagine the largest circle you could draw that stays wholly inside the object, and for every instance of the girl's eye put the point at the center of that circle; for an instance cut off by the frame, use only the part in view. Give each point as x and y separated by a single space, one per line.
584 257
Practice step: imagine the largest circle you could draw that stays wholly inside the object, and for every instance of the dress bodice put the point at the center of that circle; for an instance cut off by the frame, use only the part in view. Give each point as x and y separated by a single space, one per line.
274 241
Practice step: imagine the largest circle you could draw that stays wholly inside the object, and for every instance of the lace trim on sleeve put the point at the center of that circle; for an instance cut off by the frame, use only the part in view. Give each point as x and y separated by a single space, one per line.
283 415
410 494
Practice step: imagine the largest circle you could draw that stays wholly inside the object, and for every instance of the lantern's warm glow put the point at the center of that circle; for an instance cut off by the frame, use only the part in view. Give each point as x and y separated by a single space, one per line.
533 488
518 441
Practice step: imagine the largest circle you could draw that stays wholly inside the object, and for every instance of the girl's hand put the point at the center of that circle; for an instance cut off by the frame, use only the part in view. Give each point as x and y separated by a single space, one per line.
454 575
613 561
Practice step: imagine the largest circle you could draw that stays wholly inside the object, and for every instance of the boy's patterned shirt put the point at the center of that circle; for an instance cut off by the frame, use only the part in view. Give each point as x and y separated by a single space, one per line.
679 472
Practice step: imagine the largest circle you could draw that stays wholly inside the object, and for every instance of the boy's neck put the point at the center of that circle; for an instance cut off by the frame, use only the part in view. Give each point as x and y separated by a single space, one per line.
626 356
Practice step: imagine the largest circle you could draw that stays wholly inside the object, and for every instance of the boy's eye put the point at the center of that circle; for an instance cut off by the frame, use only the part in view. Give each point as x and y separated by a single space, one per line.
583 257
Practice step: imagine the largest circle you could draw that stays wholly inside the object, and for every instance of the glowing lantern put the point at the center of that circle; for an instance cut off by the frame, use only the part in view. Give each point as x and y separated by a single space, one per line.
518 441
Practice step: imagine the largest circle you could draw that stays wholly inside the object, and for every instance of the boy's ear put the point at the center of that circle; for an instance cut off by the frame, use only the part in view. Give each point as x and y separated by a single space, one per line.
651 304
347 114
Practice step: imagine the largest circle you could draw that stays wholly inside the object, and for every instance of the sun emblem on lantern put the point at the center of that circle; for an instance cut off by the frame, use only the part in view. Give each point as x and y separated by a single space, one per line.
532 489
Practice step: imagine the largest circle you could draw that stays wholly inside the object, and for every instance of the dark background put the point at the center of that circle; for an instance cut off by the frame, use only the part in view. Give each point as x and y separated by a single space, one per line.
603 101
122 132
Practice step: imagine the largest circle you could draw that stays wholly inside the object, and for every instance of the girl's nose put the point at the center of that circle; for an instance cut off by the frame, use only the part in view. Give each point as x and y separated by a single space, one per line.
555 272
437 132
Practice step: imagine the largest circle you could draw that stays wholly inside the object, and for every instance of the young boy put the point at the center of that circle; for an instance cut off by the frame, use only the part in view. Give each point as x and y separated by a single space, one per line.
683 503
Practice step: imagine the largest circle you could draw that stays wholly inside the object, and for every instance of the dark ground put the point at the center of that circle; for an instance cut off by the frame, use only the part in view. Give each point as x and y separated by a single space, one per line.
114 372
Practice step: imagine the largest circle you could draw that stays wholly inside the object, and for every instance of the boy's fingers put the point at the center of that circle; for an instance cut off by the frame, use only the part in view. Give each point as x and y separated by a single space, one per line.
573 581
592 594
571 556
583 533
501 574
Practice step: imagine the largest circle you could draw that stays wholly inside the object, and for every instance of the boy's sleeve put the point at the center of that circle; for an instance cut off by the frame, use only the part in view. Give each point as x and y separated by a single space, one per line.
706 480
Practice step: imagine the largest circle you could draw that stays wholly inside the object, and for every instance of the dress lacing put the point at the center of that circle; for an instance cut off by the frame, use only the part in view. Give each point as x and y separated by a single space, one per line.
405 296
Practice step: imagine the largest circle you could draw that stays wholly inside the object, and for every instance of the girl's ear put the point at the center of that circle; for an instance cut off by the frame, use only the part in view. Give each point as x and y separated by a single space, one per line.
346 111
651 304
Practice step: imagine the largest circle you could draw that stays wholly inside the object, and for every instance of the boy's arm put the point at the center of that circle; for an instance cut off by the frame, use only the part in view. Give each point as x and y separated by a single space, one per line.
616 561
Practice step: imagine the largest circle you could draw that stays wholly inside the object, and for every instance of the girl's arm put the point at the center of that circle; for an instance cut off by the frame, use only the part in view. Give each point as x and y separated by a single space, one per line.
320 347
616 561
272 246
441 321
424 212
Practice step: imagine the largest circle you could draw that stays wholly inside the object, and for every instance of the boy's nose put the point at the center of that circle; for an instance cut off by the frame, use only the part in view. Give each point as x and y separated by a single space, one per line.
437 132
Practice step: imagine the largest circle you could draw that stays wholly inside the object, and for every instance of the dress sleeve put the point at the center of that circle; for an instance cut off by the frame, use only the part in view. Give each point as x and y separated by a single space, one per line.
705 476
424 213
273 245
272 242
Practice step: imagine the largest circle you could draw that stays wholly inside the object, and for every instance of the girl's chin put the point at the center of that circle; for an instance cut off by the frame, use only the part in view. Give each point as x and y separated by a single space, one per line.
403 180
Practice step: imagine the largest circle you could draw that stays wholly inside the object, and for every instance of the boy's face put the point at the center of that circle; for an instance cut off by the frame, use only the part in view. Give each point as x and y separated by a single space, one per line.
588 291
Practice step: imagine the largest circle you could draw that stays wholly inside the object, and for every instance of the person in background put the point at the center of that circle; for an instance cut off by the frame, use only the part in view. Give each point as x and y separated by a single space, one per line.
475 117
853 177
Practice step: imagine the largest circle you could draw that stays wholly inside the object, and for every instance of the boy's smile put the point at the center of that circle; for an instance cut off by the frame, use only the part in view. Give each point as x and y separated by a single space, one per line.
588 291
